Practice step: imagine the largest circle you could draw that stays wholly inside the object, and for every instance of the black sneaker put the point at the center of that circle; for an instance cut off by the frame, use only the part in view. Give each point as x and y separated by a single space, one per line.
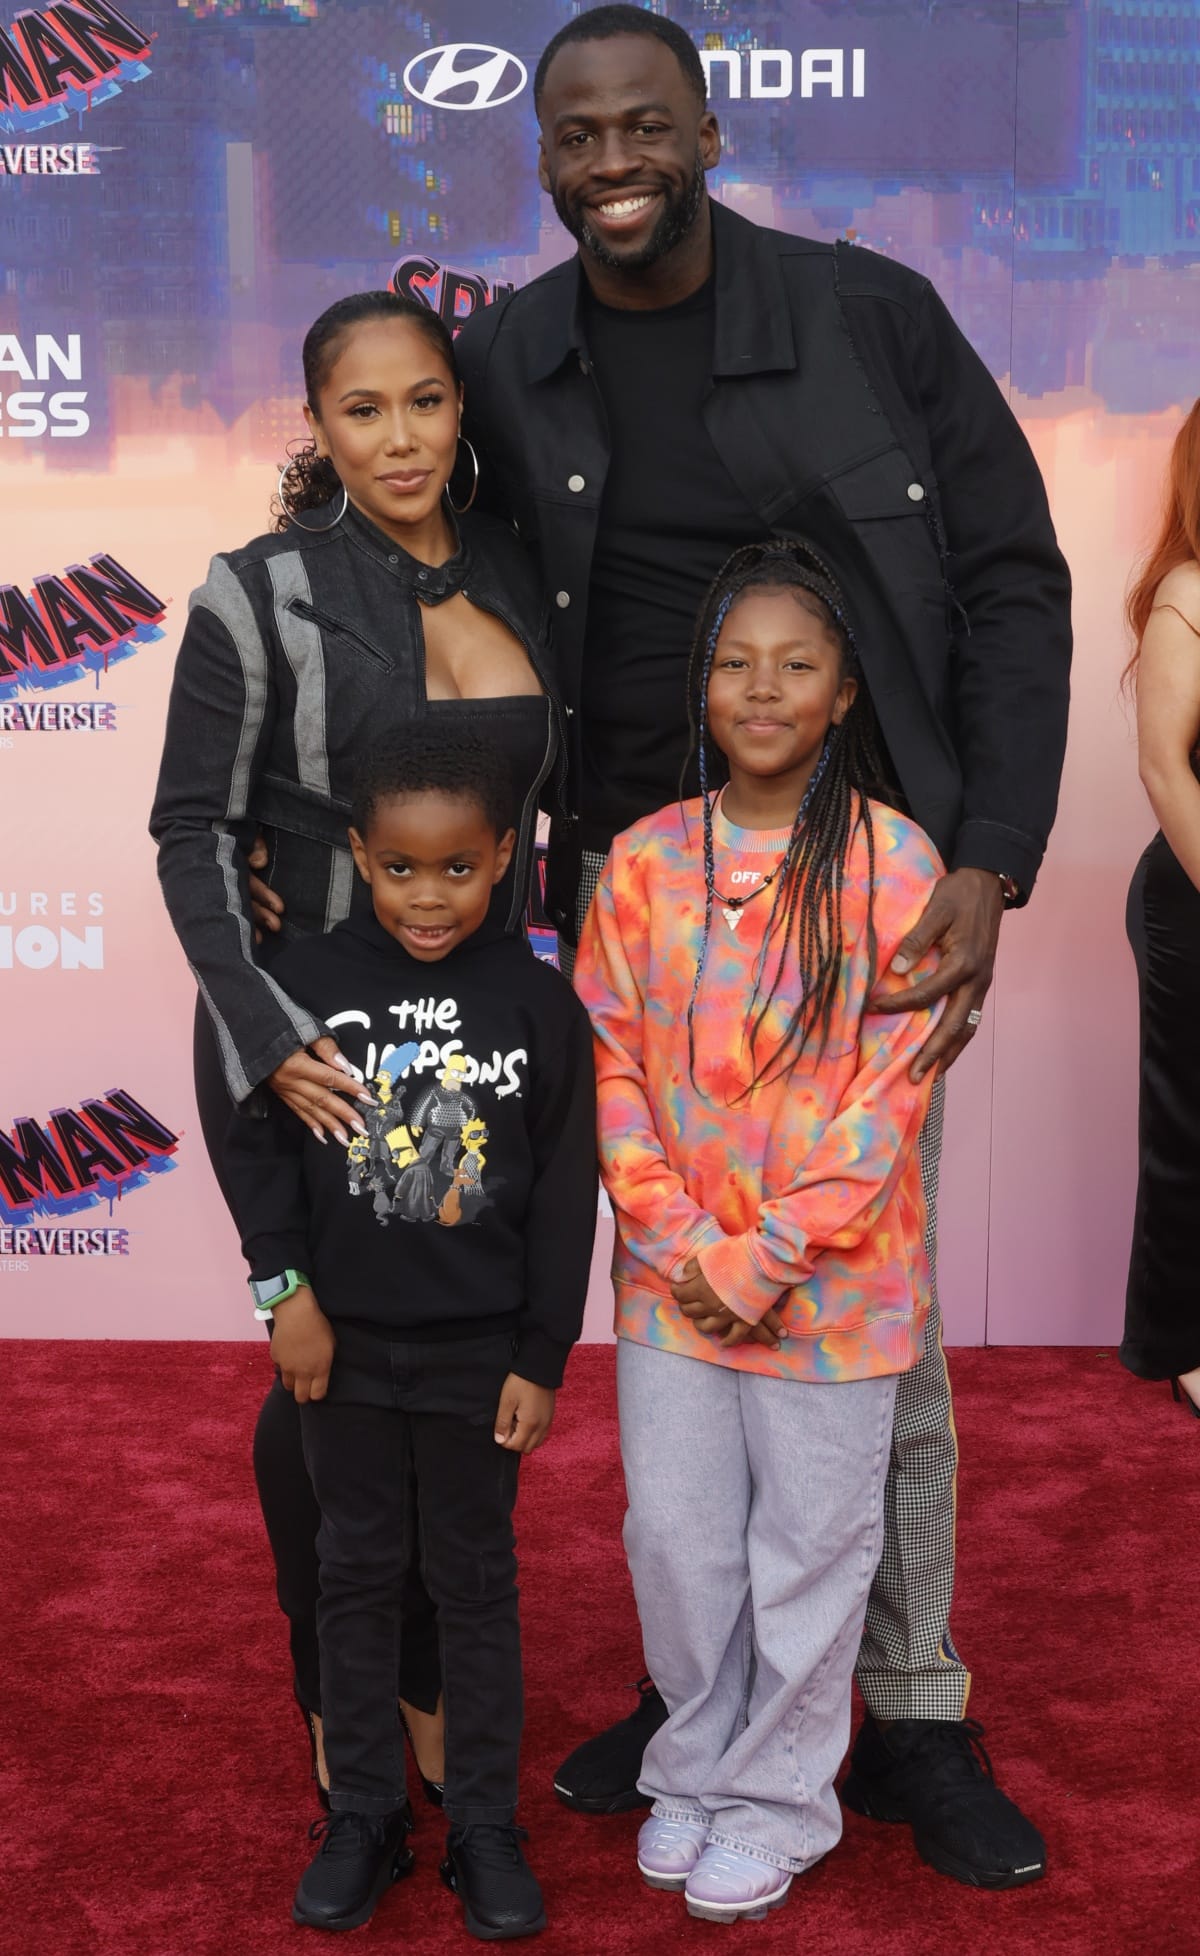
935 1774
498 1889
601 1775
360 1855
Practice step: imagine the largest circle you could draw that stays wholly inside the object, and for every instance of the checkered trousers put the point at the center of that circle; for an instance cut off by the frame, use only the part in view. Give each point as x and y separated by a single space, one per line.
907 1665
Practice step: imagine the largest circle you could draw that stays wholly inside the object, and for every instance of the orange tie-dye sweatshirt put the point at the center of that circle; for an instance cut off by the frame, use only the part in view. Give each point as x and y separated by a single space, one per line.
803 1192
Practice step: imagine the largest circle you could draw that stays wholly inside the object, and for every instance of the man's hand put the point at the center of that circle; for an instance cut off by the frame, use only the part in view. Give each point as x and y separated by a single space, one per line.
698 1301
315 1082
525 1414
962 920
266 907
302 1345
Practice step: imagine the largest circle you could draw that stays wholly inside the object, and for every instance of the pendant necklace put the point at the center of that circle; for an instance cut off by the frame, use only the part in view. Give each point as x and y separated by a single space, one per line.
732 907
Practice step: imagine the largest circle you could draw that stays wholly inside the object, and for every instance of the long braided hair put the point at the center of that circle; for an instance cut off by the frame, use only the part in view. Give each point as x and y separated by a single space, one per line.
806 909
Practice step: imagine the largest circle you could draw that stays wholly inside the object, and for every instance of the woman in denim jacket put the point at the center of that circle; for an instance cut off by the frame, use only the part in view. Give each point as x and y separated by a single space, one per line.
375 600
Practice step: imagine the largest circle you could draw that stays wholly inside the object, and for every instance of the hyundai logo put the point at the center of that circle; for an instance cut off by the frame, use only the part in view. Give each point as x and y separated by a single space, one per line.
465 75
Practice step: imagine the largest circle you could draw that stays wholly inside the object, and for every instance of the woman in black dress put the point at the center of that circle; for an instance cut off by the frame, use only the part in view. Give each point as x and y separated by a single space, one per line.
375 600
1162 1310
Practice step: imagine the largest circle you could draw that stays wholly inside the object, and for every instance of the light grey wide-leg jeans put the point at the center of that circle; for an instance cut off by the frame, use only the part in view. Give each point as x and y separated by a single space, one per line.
908 1666
753 1531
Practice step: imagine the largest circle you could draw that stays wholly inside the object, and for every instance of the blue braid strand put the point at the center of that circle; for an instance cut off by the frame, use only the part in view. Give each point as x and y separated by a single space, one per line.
706 801
793 839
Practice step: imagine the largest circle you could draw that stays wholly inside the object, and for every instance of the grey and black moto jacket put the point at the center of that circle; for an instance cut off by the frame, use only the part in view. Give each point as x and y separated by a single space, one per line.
300 650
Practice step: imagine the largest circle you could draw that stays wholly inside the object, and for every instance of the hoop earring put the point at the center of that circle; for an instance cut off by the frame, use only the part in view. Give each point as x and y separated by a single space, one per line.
460 509
314 529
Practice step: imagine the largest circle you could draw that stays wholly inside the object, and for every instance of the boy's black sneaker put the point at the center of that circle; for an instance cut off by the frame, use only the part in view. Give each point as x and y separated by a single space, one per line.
935 1774
498 1889
601 1775
360 1855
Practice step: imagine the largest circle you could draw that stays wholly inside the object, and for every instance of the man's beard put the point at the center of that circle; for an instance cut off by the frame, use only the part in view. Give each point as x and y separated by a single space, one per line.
677 217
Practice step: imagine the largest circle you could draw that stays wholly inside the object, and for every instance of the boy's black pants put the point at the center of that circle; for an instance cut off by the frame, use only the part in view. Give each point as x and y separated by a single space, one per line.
284 1490
395 1412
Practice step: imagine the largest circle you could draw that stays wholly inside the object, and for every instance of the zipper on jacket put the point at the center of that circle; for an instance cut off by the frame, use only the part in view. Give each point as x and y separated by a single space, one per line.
336 629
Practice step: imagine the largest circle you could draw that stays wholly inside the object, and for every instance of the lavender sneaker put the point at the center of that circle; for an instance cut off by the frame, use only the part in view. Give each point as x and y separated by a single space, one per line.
725 1886
668 1850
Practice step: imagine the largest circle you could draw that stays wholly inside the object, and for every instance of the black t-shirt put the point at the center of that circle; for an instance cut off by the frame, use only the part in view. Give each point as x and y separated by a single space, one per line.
669 518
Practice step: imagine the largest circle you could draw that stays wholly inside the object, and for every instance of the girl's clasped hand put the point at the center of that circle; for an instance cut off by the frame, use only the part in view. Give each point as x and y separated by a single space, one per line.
698 1301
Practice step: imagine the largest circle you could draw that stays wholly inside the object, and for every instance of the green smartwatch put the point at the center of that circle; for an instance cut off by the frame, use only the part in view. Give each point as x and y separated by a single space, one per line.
267 1292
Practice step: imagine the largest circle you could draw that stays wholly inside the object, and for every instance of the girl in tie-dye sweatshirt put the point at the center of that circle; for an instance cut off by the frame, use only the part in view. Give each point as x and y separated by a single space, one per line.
758 1132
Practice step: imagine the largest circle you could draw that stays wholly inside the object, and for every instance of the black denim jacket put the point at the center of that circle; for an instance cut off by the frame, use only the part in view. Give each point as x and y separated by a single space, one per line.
300 650
851 411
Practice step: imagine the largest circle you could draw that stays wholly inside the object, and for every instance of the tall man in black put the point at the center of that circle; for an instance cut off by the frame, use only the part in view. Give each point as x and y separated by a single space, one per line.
689 382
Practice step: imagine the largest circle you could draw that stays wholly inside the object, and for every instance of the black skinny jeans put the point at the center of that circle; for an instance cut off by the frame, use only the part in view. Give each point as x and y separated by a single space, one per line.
289 1506
400 1415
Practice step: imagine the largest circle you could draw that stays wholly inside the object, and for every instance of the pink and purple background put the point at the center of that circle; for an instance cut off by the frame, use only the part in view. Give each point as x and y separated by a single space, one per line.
1039 161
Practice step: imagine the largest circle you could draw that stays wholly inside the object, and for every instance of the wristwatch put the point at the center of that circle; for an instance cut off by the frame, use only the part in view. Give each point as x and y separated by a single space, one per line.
267 1292
1011 889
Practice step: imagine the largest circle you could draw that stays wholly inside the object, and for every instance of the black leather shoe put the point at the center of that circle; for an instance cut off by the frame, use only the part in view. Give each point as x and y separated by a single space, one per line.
1184 1398
601 1775
360 1855
498 1889
935 1775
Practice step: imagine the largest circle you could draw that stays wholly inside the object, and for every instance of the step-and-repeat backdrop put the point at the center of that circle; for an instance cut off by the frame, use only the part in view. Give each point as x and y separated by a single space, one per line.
185 184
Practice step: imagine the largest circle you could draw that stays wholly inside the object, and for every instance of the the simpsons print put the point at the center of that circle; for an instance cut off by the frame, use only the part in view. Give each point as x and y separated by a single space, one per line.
443 1112
422 1161
465 1197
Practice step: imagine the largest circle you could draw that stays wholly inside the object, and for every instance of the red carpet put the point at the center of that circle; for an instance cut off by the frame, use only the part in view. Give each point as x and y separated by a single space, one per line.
153 1768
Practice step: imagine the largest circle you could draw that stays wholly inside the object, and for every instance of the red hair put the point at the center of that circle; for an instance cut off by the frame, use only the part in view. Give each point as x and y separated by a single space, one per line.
1178 540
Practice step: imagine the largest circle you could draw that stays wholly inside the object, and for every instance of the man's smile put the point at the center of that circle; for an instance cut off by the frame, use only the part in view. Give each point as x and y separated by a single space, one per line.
625 206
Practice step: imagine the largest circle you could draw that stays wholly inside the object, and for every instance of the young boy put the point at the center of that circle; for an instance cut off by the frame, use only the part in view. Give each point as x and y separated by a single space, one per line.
427 1287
